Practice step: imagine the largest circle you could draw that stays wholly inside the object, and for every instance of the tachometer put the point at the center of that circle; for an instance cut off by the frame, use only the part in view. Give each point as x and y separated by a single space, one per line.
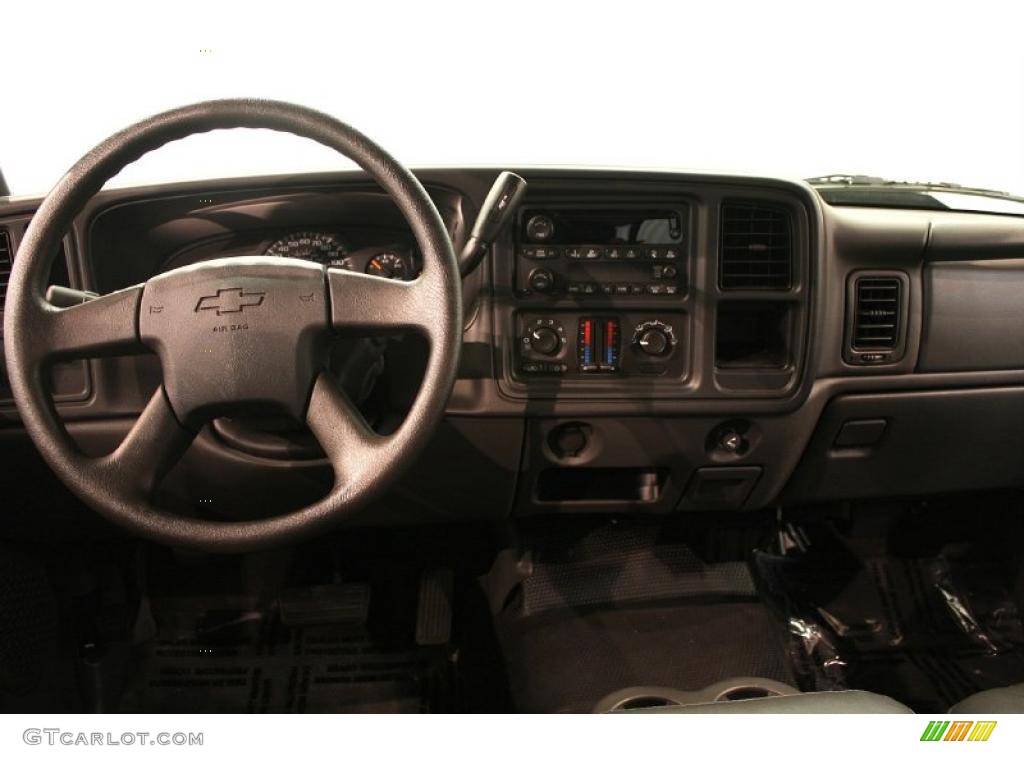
389 264
311 246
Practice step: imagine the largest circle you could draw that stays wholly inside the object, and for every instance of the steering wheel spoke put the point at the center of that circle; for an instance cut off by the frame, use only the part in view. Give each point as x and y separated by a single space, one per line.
104 325
349 442
362 302
152 447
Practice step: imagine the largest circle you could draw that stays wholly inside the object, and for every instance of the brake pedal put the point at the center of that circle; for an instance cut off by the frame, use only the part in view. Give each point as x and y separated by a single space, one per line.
434 612
346 604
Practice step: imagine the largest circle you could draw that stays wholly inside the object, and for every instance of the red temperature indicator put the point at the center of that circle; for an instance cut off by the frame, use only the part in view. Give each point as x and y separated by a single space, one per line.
586 339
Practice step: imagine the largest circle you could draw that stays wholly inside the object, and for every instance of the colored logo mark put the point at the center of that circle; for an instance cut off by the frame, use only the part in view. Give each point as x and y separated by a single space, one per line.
958 730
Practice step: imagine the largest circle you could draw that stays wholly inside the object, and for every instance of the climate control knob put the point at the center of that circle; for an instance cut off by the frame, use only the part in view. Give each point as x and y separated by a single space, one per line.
545 341
654 338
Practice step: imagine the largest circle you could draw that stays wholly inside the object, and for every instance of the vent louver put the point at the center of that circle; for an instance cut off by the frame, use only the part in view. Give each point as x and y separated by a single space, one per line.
876 323
756 249
5 264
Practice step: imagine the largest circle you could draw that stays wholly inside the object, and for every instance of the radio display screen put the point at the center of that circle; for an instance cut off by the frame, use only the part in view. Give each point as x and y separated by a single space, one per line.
602 226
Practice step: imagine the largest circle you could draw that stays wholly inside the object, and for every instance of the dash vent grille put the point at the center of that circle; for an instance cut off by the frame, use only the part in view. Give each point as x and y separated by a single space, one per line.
757 247
876 325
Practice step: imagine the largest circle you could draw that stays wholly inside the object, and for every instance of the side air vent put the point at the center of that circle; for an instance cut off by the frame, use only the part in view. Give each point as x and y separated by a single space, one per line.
877 314
5 264
757 248
877 321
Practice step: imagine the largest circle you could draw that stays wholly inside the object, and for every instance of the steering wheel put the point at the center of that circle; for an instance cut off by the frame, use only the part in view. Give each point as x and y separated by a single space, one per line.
230 333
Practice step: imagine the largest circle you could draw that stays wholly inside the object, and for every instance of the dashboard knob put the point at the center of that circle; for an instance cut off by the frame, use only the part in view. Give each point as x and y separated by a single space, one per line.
540 228
654 338
542 281
730 441
545 341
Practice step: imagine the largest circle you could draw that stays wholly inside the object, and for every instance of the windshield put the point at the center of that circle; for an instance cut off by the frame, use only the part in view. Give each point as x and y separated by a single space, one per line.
642 84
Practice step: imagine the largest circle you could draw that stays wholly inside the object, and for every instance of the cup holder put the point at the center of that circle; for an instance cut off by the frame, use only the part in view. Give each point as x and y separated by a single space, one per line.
642 697
733 689
646 702
742 694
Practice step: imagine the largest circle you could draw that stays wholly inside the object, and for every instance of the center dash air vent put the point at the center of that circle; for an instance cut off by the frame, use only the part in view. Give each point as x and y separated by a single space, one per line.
5 264
756 249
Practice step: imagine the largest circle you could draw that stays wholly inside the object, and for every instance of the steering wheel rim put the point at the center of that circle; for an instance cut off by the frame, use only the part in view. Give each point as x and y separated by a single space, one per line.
120 486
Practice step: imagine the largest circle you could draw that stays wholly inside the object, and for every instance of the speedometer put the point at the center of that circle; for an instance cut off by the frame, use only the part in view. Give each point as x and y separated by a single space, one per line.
311 246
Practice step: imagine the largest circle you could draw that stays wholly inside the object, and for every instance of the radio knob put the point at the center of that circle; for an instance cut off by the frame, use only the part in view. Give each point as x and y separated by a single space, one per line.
540 228
545 341
541 280
654 338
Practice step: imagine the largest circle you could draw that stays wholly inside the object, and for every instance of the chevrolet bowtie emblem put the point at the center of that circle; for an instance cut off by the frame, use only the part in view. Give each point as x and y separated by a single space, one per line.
229 301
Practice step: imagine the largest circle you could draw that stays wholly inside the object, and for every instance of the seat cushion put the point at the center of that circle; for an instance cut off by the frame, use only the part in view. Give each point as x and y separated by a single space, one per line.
995 701
823 702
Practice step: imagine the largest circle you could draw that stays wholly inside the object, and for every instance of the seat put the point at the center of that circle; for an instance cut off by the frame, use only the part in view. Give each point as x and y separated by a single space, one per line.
994 701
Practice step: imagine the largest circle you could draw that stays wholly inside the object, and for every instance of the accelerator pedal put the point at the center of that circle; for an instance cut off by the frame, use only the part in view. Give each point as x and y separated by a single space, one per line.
434 612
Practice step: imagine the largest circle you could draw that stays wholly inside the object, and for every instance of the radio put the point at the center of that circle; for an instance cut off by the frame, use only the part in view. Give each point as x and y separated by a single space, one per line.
588 253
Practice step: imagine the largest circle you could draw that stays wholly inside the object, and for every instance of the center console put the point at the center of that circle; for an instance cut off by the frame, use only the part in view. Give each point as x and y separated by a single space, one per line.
603 291
683 307
633 291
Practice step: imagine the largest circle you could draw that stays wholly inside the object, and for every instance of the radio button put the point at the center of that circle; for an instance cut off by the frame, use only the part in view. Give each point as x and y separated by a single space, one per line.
622 290
613 254
573 253
589 288
632 253
671 254
590 254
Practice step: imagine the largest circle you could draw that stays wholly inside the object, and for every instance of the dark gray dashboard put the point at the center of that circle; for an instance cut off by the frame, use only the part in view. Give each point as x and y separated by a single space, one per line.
885 357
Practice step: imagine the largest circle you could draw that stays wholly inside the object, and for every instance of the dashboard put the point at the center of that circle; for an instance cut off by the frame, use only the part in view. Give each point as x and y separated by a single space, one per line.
652 342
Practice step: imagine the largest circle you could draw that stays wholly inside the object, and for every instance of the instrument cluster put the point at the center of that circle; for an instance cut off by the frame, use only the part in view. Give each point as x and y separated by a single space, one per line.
372 252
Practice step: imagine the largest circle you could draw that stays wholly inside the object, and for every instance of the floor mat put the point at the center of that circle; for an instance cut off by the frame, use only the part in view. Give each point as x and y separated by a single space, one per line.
927 631
224 655
626 563
627 604
566 661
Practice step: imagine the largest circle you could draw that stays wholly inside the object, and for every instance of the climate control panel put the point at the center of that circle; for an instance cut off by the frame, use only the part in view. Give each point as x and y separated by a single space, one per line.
580 344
